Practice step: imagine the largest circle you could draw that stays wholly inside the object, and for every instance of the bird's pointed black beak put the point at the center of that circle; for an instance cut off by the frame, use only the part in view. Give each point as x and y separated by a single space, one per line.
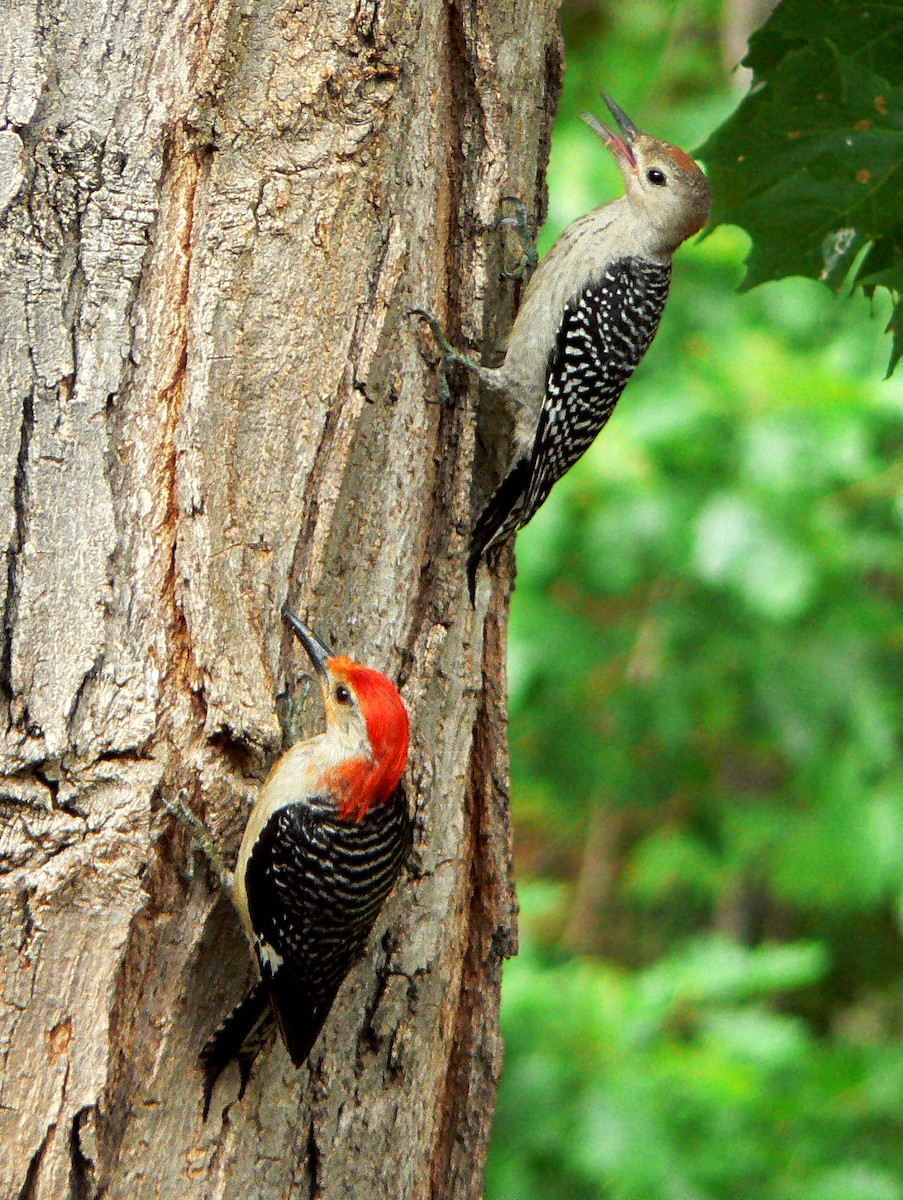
621 145
317 652
628 130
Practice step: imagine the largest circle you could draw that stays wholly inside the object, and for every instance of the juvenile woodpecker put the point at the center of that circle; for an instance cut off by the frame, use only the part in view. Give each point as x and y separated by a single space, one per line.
587 318
321 851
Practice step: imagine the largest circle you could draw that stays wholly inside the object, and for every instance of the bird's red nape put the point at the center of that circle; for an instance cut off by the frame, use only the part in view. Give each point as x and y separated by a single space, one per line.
362 783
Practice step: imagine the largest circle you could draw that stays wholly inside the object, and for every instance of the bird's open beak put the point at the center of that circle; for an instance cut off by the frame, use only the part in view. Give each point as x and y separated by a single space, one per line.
621 147
316 651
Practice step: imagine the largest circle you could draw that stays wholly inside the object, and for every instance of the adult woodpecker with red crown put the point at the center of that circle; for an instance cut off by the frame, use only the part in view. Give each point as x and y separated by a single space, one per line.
587 318
322 848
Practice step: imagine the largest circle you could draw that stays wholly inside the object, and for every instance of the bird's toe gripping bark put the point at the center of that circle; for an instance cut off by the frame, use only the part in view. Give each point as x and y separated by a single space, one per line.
450 355
201 840
520 223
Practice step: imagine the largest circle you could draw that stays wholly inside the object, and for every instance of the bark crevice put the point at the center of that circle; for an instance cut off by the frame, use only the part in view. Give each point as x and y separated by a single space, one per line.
474 1066
20 532
29 1189
81 1177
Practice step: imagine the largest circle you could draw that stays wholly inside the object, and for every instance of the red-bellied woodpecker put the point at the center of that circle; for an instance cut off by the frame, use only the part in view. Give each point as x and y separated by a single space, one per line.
587 318
322 848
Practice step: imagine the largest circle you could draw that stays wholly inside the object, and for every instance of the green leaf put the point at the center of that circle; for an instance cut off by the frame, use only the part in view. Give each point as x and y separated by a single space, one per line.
892 279
811 163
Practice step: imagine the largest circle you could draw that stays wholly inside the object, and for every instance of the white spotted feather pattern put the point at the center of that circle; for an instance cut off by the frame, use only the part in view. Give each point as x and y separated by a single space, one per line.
604 332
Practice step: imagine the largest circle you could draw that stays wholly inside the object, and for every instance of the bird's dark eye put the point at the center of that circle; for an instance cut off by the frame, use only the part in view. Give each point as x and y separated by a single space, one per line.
654 175
342 694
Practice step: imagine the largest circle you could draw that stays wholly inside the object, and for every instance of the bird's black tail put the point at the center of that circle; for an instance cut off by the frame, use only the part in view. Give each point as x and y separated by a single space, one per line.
242 1035
499 519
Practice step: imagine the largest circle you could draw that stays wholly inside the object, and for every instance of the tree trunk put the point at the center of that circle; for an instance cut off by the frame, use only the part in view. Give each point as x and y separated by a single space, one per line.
214 216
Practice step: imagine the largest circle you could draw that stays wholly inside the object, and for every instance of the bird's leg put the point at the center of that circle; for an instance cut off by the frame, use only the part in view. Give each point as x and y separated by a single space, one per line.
450 355
520 223
201 839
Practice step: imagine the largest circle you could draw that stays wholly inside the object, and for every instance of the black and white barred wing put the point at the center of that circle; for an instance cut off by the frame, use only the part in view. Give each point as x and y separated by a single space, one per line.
315 886
604 333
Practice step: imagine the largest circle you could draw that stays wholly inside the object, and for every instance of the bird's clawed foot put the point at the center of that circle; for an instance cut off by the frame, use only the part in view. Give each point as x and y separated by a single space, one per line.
520 223
450 356
201 840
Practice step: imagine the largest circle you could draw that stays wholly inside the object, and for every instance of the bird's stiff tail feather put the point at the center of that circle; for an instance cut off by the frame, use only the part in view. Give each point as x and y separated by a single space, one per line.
242 1035
300 1013
499 519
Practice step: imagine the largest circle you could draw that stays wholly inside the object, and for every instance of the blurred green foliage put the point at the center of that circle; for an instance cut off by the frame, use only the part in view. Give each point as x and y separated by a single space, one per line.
706 675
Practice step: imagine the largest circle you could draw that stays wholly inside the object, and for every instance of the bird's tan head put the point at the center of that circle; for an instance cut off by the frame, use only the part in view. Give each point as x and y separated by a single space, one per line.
661 179
367 727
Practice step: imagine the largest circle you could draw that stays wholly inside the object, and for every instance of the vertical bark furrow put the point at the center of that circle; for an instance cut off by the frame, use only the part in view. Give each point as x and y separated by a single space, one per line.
28 1191
81 1177
19 533
474 1066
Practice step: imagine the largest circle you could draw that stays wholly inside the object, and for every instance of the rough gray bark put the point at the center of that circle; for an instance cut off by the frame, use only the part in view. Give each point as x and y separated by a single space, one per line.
213 216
